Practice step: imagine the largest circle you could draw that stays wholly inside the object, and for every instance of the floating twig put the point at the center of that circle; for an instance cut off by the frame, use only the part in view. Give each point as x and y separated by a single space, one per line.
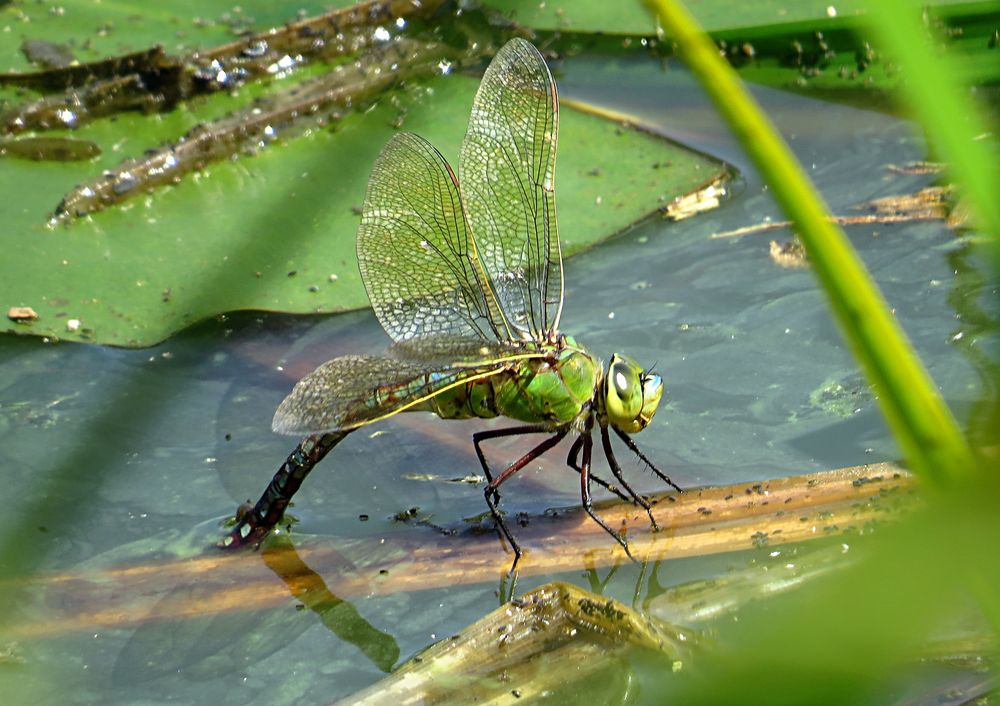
928 204
153 81
323 98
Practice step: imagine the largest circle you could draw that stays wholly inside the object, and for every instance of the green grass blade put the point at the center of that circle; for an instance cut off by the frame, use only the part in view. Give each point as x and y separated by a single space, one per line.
922 424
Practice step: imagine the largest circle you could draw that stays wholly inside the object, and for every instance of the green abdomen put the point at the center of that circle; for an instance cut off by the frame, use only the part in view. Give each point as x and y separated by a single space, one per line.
535 391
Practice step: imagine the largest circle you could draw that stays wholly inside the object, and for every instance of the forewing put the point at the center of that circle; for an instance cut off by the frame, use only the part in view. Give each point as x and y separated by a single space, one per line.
348 392
507 175
414 250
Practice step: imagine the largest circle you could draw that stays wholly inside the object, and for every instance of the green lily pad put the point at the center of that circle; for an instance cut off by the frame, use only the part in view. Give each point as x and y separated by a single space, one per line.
274 230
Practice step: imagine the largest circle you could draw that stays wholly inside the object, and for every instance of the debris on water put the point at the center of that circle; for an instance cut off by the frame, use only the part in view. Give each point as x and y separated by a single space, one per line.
929 204
79 75
21 314
790 254
10 654
405 515
421 476
844 397
86 97
704 199
48 55
49 149
471 479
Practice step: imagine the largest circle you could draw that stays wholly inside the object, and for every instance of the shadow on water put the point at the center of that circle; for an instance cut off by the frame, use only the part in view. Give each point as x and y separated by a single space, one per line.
203 646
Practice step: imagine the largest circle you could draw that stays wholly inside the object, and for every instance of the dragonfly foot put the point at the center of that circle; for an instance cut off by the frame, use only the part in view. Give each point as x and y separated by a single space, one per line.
624 543
512 571
243 510
508 584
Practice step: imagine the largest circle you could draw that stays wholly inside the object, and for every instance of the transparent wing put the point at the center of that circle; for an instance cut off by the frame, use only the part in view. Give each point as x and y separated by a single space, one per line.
416 257
507 174
352 391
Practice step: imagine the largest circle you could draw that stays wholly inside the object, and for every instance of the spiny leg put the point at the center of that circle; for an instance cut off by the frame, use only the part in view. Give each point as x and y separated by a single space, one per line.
572 462
635 449
492 490
588 505
481 436
617 471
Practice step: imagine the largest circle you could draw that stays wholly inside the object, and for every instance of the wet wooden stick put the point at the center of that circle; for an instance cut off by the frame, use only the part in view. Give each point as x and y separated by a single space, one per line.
324 98
694 523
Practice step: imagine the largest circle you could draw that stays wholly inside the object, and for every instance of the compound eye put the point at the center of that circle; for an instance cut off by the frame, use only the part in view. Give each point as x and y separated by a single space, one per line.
624 380
626 383
651 383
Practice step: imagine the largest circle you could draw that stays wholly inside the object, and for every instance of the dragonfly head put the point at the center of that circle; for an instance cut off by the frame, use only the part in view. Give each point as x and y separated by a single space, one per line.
631 394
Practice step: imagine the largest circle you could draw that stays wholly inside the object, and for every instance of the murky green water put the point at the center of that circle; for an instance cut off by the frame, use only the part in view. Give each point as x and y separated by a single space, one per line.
111 457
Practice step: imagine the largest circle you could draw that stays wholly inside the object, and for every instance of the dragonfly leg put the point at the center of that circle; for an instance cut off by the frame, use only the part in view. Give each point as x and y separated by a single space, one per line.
635 449
481 436
255 524
572 460
588 504
492 490
617 471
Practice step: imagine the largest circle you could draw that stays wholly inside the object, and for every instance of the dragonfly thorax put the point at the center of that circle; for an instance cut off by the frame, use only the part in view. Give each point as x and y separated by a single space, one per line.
555 390
630 394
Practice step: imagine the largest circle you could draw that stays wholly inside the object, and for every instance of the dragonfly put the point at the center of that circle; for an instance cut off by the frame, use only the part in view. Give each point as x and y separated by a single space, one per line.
465 275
